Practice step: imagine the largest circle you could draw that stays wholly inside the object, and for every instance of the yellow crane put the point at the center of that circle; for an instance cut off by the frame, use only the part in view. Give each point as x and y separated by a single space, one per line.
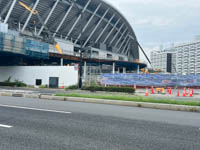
35 12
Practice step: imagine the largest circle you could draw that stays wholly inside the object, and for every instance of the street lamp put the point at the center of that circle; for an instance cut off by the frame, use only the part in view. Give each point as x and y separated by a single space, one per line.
81 67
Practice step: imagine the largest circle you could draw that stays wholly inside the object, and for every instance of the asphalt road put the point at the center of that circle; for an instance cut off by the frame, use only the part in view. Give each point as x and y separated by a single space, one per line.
28 124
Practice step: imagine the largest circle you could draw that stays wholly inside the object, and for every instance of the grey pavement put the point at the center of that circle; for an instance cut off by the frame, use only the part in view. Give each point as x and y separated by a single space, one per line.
95 127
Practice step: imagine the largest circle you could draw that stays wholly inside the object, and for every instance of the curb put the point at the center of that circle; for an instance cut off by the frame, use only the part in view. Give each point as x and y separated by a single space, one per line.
108 102
136 104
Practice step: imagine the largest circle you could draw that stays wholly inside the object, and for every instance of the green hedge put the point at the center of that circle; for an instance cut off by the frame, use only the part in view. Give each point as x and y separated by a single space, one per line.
73 87
13 84
7 84
109 89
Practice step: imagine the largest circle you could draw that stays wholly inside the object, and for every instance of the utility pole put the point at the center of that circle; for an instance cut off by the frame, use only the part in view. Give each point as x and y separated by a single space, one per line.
81 67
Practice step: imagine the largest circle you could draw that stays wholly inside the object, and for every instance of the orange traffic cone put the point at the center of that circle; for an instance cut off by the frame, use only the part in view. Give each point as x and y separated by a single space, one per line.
152 90
170 91
191 93
147 92
135 87
184 92
178 93
63 86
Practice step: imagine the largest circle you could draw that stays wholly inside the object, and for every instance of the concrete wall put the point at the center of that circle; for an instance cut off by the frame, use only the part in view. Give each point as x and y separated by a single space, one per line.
28 74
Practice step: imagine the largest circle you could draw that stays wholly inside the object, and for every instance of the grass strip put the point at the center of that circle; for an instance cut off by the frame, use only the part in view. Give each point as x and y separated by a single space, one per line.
134 99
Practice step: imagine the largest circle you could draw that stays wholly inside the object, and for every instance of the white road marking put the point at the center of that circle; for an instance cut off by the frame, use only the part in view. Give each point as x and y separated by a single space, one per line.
5 126
37 109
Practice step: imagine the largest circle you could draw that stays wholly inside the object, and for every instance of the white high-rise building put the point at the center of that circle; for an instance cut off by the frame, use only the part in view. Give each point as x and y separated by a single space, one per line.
188 58
181 59
164 60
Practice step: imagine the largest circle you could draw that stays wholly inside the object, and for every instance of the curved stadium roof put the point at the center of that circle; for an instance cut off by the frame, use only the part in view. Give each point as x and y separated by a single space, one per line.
91 22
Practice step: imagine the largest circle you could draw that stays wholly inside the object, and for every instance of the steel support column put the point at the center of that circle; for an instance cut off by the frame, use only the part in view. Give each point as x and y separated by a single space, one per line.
121 37
5 9
138 69
124 70
111 31
10 11
77 20
62 21
96 27
127 50
117 33
125 45
19 26
61 62
30 15
85 27
105 28
85 70
123 41
48 17
113 70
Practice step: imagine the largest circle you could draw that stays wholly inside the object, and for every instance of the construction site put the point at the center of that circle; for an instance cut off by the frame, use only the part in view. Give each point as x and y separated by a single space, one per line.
59 43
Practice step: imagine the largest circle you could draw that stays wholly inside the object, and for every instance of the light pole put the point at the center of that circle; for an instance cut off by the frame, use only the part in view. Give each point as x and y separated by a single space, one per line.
81 67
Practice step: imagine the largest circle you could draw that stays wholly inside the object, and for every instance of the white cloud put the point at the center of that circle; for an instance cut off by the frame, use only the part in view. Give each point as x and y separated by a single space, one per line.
167 3
161 22
154 21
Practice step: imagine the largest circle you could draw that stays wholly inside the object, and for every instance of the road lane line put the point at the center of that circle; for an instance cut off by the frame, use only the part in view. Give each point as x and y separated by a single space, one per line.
5 126
37 109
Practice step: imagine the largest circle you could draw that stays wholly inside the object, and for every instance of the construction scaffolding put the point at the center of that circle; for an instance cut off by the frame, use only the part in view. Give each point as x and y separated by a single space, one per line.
20 45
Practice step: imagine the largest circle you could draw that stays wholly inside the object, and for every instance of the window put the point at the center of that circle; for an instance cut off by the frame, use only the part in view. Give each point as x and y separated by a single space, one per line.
38 82
109 56
121 58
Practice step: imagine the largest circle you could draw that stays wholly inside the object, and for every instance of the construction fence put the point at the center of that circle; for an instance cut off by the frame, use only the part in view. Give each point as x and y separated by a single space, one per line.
148 80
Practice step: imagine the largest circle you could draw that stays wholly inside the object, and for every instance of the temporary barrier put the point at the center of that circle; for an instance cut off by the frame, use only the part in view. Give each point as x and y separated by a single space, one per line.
156 80
21 45
1 41
36 49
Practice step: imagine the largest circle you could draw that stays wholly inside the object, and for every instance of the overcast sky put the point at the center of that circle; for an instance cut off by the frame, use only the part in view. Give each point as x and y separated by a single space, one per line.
161 22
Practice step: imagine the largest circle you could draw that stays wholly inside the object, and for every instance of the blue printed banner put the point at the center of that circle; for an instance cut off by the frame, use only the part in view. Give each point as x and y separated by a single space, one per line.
151 80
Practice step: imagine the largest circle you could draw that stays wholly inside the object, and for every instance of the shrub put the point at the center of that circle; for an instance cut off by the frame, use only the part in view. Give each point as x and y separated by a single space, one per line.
43 86
19 83
72 87
12 84
109 89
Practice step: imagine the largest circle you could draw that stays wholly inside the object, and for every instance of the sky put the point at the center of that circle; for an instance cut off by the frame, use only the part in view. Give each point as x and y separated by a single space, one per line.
161 23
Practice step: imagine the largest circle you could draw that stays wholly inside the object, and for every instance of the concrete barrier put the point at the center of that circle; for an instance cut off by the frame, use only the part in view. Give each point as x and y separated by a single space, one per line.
49 97
34 96
5 94
136 104
17 95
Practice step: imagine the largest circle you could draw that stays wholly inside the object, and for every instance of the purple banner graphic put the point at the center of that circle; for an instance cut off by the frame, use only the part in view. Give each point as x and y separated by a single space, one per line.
151 80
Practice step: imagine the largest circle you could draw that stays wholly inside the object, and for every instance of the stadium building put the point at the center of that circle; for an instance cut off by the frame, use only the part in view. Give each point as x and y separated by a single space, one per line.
93 25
